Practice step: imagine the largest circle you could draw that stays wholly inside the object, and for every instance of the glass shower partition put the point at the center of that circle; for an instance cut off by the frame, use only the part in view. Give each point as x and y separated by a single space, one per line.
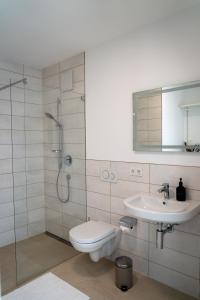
34 222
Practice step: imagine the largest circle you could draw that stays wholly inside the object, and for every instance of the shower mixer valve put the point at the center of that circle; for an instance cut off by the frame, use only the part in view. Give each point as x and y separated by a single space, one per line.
68 160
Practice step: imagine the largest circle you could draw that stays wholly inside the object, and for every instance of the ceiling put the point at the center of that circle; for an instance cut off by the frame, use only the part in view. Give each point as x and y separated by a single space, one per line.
42 32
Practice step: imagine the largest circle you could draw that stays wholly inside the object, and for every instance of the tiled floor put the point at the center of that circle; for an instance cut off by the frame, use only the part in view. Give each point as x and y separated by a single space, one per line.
41 253
97 281
34 256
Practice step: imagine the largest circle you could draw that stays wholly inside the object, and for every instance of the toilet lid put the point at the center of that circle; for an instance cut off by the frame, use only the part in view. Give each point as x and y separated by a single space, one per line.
91 231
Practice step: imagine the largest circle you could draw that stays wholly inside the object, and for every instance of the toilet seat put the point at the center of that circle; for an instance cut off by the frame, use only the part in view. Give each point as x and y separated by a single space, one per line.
91 232
90 247
99 239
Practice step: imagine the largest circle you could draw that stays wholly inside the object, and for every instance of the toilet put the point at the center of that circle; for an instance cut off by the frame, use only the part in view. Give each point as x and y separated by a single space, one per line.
97 238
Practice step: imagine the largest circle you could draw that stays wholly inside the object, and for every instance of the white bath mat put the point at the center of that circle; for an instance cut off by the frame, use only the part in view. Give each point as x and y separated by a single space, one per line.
46 287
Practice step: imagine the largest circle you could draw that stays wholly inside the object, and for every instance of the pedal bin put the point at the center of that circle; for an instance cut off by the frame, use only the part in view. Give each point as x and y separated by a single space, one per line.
123 273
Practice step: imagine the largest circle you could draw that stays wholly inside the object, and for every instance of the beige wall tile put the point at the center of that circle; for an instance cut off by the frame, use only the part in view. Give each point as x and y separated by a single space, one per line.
72 62
126 189
52 202
117 206
98 215
190 194
53 216
78 196
174 279
78 73
192 226
141 230
171 174
123 171
30 71
7 209
54 228
7 238
133 245
73 121
93 167
77 167
51 82
78 181
36 228
79 87
50 95
72 106
115 219
70 221
94 184
76 150
178 241
50 70
7 224
139 264
154 190
98 201
175 260
74 136
75 209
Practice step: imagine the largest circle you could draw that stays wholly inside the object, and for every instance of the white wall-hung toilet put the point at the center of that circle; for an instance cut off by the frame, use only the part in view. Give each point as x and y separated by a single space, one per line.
99 239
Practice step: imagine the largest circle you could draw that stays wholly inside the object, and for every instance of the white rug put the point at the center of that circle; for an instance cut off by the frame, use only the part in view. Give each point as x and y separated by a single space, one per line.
46 287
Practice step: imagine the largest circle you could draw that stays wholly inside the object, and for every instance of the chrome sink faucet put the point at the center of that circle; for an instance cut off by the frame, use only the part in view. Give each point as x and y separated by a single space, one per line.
164 189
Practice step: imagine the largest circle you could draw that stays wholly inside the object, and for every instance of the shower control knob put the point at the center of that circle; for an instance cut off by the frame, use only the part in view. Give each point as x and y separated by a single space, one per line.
68 160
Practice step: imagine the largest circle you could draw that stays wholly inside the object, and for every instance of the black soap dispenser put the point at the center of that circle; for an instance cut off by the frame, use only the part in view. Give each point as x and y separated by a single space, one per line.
180 192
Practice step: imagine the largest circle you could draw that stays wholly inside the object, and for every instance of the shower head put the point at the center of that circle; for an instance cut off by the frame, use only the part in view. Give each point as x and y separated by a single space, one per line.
50 116
25 81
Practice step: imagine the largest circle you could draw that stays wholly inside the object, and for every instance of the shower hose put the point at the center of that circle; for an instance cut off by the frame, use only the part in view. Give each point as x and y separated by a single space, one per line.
68 177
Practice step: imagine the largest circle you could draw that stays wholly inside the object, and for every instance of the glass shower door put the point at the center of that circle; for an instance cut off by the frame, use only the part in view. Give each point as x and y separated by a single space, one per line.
34 222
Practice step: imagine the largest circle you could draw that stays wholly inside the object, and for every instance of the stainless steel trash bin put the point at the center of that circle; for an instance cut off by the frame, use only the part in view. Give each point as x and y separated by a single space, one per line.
123 273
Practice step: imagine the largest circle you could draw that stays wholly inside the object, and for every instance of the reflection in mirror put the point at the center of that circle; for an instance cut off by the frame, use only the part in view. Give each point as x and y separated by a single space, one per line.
167 119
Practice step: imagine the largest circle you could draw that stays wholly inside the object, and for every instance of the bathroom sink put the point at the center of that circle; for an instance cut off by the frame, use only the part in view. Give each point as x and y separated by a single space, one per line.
157 209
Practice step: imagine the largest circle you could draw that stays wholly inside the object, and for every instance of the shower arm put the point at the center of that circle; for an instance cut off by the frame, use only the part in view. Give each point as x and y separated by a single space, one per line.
24 80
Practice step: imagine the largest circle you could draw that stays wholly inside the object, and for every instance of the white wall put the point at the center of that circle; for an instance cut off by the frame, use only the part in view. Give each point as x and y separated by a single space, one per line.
162 54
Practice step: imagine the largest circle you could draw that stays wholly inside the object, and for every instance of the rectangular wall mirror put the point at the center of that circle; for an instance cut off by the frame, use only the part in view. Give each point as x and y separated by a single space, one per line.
167 119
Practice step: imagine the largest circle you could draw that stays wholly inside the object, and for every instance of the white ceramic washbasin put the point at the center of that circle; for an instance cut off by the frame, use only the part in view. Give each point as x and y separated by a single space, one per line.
157 209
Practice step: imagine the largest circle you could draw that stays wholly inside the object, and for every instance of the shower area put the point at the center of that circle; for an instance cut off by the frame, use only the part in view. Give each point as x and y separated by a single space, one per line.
42 167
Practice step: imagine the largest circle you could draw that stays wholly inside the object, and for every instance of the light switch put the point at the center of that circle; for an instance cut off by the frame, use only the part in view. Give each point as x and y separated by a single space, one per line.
139 172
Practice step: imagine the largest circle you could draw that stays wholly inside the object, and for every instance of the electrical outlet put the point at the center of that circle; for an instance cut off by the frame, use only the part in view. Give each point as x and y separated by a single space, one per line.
136 172
132 172
139 172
